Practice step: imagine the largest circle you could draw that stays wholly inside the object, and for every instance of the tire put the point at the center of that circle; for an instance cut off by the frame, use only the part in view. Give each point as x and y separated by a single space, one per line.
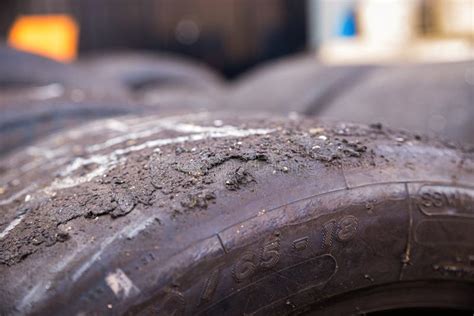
432 99
24 121
20 72
219 214
161 80
39 96
142 72
436 99
297 84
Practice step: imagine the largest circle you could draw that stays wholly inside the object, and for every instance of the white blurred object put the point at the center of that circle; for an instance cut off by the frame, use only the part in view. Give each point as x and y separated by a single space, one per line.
423 50
389 22
455 17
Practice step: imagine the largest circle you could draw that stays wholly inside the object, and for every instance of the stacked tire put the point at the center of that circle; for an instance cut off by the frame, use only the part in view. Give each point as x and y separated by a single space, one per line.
432 99
39 96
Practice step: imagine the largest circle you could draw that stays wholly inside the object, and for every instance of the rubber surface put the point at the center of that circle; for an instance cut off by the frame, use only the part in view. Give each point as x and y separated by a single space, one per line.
296 84
213 214
39 96
432 99
21 71
23 121
160 79
435 99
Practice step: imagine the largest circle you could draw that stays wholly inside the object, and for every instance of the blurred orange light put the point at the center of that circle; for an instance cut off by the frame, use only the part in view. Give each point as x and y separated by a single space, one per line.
53 36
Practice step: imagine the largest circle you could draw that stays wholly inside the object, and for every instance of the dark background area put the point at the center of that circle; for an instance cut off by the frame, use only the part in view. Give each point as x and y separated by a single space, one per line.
231 35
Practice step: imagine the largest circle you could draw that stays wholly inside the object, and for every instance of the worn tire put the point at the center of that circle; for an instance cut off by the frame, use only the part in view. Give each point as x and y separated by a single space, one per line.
161 80
433 99
39 96
297 84
216 215
145 73
25 121
21 71
436 99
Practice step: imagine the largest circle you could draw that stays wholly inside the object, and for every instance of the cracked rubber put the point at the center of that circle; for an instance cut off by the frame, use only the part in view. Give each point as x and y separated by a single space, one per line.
222 214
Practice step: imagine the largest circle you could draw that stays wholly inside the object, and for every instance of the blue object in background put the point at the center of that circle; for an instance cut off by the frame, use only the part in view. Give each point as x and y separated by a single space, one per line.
348 27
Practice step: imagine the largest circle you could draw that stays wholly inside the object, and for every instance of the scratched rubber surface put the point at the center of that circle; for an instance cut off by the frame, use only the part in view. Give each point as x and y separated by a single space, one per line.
212 214
39 96
23 121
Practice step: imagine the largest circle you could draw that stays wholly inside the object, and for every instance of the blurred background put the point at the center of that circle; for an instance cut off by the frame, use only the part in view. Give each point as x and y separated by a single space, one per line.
229 35
234 35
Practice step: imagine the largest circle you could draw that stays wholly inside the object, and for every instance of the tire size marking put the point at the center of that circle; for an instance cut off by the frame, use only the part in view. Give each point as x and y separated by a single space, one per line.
342 230
210 286
267 256
245 266
301 244
250 262
271 252
346 228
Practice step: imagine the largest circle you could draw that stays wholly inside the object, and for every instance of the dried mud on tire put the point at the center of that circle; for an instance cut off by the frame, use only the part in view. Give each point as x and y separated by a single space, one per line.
213 214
